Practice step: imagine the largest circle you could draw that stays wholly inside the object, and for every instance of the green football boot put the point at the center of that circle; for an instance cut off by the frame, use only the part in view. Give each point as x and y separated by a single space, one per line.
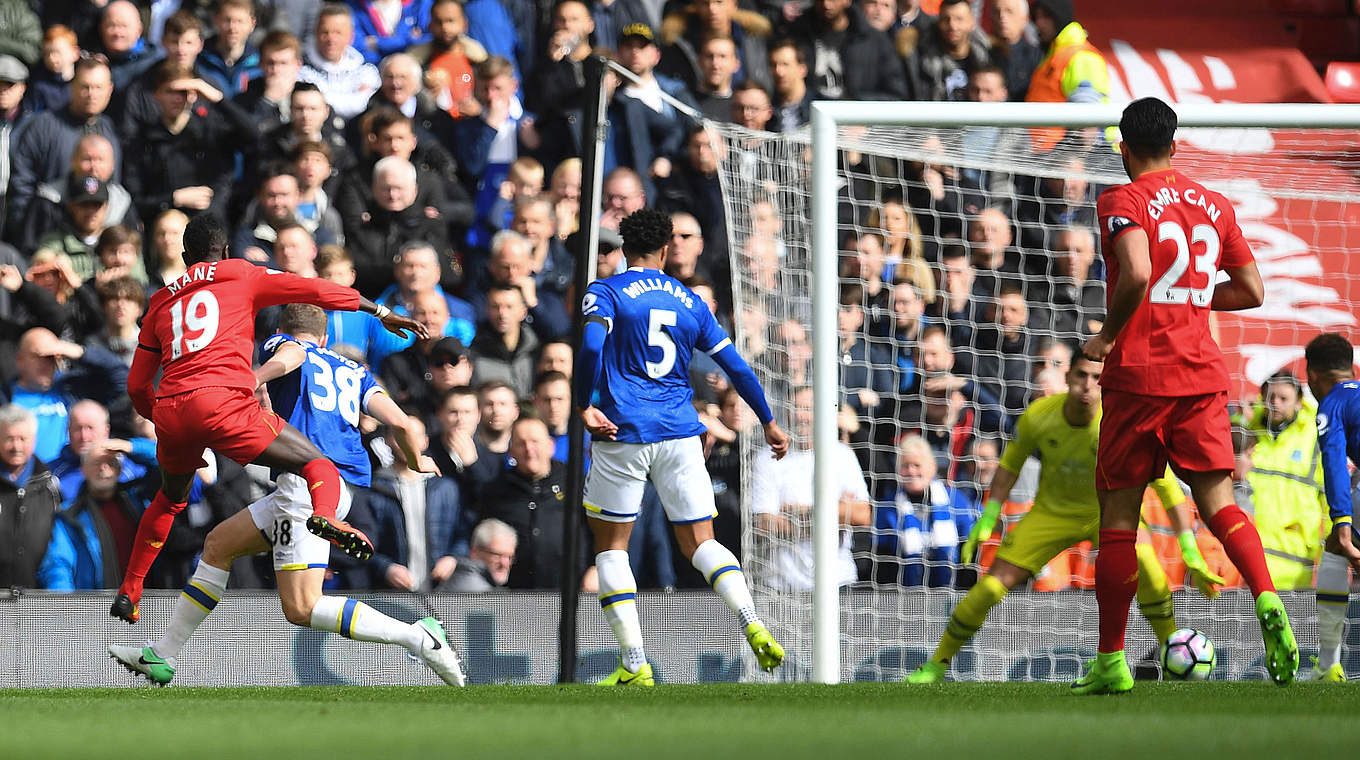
769 655
929 671
1334 674
1108 673
623 677
144 661
1282 652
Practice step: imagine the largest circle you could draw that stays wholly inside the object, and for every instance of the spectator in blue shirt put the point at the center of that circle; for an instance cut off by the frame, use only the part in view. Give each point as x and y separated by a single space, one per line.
47 392
415 271
390 26
917 532
229 62
120 35
92 539
350 328
88 430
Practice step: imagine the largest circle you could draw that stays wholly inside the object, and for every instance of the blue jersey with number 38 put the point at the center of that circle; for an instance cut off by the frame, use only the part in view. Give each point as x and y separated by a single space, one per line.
655 324
323 399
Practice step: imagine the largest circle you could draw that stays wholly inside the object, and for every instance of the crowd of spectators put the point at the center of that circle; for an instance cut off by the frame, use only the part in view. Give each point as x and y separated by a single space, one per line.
427 153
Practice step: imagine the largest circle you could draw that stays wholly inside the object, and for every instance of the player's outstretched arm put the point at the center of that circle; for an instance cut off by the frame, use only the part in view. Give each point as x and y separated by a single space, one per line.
1242 290
272 287
286 359
386 411
1135 271
395 323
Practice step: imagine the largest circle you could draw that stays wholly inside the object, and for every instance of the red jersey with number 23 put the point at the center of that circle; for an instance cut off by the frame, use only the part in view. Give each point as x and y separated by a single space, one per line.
1192 232
203 323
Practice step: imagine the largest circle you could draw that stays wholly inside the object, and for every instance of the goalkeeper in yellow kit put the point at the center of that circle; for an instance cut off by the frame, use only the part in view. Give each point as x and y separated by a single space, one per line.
1062 430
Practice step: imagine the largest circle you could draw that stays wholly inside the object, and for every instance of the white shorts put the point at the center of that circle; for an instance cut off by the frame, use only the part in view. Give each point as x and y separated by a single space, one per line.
282 517
620 471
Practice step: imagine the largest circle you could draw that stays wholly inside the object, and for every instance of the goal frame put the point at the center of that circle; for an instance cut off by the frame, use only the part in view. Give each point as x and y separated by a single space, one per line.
827 117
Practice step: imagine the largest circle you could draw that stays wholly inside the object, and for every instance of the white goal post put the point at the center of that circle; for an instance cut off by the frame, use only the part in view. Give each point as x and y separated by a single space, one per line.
827 119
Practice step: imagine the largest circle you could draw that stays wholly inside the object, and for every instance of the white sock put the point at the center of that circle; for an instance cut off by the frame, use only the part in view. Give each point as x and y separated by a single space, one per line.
618 599
355 620
200 596
1333 594
723 572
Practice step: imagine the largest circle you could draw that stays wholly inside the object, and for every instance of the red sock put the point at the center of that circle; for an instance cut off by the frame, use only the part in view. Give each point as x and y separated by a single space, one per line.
151 532
323 483
1243 545
1116 583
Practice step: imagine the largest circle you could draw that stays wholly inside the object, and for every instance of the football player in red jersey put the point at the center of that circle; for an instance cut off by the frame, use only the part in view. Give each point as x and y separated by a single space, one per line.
199 332
1165 385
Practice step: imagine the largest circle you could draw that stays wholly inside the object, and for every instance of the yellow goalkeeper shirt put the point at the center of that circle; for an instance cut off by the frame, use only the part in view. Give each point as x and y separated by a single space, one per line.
1067 458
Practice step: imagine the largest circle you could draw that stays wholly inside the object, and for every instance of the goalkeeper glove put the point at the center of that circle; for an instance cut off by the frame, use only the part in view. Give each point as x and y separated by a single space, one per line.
982 529
1200 575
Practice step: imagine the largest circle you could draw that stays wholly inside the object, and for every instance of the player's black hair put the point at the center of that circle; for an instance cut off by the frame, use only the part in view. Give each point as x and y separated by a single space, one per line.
1148 127
303 318
645 232
205 239
1330 352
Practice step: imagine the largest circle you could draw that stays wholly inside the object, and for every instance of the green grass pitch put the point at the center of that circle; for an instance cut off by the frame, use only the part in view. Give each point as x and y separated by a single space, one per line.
1209 721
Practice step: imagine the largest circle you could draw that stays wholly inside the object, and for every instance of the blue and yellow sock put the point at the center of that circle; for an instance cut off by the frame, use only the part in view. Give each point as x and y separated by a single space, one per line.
618 600
723 572
355 620
1333 595
199 597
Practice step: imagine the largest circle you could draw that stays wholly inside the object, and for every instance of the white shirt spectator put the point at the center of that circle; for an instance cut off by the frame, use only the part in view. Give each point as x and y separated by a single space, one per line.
788 481
347 84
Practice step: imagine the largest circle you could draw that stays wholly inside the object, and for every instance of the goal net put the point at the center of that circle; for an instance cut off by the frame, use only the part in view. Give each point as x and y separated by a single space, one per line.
969 270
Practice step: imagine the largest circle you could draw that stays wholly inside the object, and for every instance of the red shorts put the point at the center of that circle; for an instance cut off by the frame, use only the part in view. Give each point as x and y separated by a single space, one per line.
227 420
1139 434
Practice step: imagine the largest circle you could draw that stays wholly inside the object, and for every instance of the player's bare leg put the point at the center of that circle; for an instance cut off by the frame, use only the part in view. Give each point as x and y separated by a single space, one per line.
1231 526
968 616
152 530
235 537
618 601
723 572
303 605
292 452
1116 585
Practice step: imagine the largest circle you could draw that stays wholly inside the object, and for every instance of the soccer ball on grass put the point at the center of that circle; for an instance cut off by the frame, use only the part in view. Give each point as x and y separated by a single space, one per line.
1187 656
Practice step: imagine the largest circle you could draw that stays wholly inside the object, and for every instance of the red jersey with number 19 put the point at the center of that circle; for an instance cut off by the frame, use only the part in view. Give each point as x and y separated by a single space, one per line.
1166 348
203 324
